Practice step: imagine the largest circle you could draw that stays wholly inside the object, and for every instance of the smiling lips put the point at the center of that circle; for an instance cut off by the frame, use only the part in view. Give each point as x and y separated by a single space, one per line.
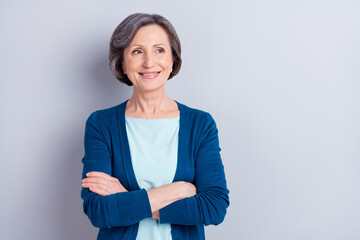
149 75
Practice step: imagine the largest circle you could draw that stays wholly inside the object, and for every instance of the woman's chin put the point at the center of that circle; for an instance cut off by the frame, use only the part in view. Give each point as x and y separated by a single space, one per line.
150 87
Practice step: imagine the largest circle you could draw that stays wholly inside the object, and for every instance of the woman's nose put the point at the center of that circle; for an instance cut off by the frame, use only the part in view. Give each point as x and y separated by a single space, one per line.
148 61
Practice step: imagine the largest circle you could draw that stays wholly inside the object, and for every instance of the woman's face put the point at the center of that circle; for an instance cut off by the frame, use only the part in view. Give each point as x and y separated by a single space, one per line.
148 60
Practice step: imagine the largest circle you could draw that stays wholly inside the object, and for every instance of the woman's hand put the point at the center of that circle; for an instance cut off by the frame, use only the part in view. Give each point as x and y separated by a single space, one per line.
102 183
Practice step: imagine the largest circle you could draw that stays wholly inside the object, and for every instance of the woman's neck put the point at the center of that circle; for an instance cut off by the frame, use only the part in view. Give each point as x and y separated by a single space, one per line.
151 105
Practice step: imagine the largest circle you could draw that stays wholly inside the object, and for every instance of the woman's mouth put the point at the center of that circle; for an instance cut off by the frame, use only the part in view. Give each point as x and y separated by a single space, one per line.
149 75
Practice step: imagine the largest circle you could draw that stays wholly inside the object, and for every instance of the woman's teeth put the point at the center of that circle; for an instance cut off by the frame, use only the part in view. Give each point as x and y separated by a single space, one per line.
149 74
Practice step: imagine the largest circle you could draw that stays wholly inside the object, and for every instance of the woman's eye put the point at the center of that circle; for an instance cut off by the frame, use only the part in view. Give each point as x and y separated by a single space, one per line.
136 52
160 50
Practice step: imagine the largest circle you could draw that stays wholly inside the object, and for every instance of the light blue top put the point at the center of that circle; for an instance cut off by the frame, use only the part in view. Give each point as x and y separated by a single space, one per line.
153 149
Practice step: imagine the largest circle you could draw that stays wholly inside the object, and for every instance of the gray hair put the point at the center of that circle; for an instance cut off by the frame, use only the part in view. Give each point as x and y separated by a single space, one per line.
125 32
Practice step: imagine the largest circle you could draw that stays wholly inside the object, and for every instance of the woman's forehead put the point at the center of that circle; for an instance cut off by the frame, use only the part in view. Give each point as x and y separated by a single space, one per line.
150 35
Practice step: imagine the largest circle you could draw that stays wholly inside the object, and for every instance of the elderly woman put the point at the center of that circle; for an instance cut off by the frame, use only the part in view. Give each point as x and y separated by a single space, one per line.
152 166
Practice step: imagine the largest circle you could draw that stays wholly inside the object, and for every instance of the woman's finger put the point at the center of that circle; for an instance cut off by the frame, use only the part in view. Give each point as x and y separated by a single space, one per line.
110 181
98 174
98 188
101 180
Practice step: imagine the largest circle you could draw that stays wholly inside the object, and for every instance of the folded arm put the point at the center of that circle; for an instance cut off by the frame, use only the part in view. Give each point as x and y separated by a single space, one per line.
104 184
106 202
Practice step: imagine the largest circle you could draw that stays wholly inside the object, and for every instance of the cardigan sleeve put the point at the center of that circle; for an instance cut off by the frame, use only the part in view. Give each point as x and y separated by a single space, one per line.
209 205
120 209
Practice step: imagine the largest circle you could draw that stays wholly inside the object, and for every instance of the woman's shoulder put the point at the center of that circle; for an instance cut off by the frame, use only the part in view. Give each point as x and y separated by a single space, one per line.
195 114
106 114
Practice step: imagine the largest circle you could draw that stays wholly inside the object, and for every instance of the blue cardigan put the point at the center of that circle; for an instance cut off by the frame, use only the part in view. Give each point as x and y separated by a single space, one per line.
199 162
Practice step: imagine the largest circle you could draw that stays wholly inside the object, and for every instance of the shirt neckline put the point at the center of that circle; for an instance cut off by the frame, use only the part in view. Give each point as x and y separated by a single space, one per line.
146 119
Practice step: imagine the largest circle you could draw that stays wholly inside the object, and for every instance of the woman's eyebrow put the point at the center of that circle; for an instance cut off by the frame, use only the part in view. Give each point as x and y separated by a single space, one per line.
159 44
139 45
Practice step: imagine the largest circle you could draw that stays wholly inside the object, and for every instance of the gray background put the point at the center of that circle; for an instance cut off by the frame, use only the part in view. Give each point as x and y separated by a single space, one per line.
281 78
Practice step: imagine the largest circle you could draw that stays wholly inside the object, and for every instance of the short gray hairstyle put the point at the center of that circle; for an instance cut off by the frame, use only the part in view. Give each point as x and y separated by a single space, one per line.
125 32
